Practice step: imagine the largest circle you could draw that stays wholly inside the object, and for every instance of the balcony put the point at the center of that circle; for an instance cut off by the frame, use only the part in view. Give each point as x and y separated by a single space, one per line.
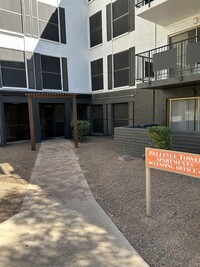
165 12
170 65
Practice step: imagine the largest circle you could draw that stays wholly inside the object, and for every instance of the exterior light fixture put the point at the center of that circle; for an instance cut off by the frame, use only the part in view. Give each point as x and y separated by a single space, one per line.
195 20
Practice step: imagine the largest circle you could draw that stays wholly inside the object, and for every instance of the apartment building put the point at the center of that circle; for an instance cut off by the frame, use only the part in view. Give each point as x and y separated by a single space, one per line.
160 47
167 65
130 63
43 49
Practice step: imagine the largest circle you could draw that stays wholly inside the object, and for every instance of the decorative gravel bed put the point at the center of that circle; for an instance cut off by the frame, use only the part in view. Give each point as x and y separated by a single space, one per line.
171 237
16 164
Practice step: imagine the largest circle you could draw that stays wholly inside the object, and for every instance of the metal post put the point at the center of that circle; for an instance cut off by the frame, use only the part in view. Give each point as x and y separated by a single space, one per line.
31 122
143 69
75 122
181 74
149 68
148 191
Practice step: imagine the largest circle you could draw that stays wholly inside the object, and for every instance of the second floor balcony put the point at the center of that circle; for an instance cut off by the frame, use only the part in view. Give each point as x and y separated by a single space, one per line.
169 65
165 12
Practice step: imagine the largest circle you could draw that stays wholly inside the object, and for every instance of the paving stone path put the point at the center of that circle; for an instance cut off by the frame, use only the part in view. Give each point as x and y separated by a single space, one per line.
56 176
60 223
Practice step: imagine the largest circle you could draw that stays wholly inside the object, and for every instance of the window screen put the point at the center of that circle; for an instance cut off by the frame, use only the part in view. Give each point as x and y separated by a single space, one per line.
95 29
120 10
10 21
97 74
13 71
51 74
48 22
121 69
11 5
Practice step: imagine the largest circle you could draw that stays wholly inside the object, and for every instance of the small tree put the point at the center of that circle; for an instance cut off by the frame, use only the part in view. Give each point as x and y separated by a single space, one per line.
83 130
160 136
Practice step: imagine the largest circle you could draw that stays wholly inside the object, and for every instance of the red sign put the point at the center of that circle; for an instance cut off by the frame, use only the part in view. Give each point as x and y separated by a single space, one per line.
172 161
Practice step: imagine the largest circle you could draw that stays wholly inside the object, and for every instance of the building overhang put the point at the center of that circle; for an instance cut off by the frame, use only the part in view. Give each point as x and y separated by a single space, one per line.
186 81
165 12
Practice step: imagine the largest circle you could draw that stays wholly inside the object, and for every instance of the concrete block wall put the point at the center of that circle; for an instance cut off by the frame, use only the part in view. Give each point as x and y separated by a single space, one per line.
132 141
187 142
143 107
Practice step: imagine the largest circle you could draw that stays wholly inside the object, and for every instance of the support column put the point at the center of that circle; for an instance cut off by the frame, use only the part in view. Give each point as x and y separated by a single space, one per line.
131 113
75 123
105 121
36 116
68 112
2 124
89 116
31 122
110 119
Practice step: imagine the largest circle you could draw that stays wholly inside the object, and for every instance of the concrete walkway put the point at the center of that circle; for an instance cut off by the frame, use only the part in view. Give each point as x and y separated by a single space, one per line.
60 223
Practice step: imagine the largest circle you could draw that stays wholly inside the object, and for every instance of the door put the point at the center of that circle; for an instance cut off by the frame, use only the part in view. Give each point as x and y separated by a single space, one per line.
47 121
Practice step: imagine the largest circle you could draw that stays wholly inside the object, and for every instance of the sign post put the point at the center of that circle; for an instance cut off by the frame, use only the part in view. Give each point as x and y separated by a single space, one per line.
171 161
148 191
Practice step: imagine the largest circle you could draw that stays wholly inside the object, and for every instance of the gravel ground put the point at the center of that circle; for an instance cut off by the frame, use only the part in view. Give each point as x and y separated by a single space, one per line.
171 237
16 164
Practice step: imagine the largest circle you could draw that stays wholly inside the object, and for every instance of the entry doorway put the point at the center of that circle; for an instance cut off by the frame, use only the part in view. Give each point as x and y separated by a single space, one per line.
52 120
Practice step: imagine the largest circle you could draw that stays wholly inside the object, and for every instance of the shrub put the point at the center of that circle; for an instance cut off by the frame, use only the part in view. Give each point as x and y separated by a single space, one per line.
160 136
83 130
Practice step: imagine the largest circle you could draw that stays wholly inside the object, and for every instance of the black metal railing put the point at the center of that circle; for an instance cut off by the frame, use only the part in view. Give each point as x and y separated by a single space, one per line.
140 3
147 68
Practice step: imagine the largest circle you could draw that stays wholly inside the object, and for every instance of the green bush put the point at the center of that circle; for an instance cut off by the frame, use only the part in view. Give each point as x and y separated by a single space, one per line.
160 136
83 130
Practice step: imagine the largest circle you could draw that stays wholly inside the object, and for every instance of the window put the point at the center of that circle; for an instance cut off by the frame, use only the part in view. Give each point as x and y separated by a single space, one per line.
11 15
51 74
12 68
120 18
13 6
33 19
47 72
120 12
97 74
121 69
49 23
95 29
30 18
184 114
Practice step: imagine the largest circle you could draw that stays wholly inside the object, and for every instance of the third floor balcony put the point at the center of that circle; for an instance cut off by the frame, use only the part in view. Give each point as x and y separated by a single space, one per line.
171 65
165 12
